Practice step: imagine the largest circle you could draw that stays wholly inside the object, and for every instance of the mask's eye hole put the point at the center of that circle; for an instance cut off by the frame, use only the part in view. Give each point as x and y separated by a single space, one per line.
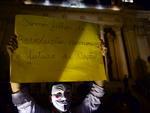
58 95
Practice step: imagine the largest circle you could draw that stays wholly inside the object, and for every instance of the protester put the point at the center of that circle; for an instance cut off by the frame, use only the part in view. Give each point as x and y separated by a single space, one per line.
60 95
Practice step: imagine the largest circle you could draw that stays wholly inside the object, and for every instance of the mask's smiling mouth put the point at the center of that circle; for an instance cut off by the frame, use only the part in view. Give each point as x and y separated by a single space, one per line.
62 102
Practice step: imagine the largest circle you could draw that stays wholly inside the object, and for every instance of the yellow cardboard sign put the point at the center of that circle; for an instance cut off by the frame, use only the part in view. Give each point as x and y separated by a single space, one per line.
52 49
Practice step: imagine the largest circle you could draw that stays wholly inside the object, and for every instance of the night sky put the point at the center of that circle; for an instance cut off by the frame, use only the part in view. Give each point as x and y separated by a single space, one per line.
144 4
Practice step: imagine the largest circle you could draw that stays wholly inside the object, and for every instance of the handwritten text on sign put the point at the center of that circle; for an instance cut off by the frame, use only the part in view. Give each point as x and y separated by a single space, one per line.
53 49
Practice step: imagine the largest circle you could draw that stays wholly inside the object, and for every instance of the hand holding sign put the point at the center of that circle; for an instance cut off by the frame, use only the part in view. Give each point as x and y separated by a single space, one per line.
12 44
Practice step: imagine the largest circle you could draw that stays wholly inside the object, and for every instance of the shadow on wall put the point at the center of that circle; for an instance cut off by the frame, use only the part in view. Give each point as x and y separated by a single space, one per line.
143 82
6 105
141 68
4 67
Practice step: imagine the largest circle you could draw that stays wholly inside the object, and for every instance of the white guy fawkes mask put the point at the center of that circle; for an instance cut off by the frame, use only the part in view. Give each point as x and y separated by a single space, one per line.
61 97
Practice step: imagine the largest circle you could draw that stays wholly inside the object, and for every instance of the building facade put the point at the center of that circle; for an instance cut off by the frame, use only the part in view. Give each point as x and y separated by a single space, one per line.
125 33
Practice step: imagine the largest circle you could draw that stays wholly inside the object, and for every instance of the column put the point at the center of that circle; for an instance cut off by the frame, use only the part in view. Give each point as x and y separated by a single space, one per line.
120 54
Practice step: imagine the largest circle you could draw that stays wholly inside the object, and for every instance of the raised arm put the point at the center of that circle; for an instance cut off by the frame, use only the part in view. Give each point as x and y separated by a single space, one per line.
21 99
99 83
93 100
15 87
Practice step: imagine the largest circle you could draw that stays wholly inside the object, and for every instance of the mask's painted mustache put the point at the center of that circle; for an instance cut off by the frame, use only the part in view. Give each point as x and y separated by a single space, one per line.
63 102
